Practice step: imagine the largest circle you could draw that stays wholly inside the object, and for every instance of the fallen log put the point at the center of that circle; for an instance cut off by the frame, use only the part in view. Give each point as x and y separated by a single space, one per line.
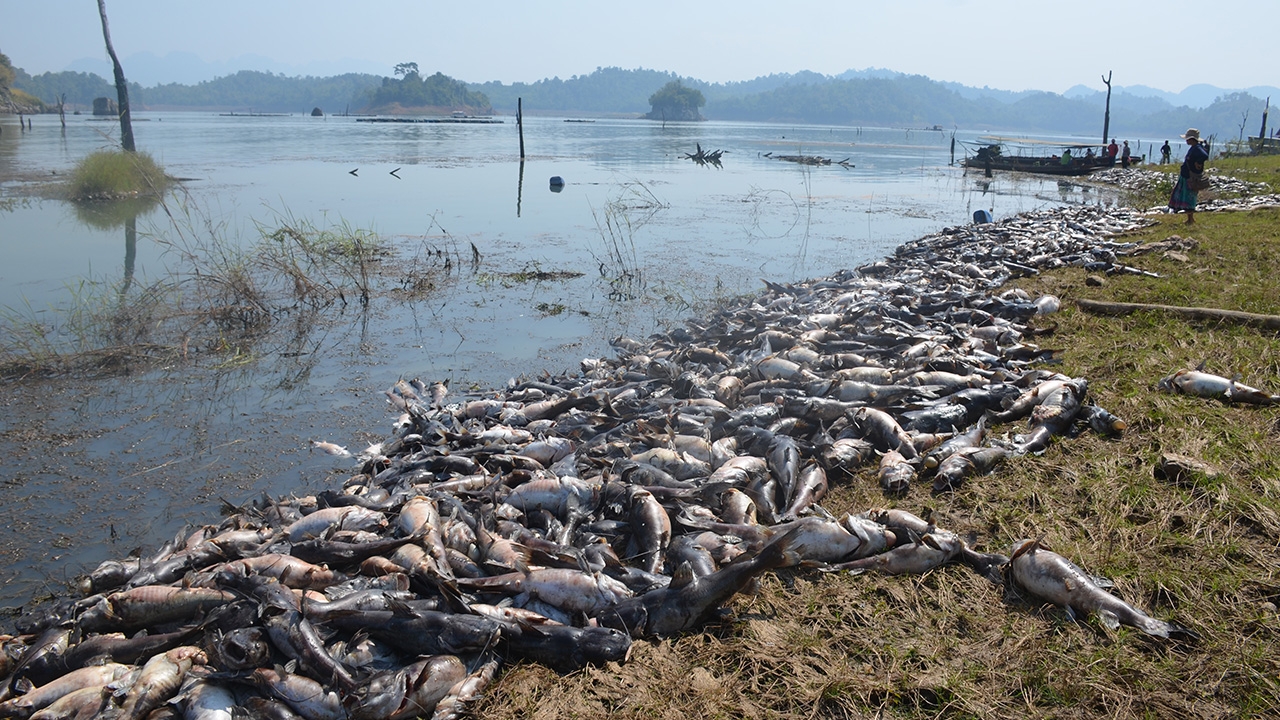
809 160
1270 322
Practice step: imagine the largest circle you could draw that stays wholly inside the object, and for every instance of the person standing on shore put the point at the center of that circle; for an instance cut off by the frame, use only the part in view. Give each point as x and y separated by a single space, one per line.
1183 197
1165 152
1112 150
1125 155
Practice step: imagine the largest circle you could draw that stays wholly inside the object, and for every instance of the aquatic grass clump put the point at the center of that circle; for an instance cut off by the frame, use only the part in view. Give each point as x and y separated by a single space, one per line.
111 175
218 296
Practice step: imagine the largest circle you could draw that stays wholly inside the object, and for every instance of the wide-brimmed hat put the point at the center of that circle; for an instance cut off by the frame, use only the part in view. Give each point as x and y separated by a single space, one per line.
1192 133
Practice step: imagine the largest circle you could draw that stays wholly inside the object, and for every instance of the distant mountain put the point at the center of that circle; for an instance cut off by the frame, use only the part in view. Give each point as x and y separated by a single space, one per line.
1194 96
870 97
186 68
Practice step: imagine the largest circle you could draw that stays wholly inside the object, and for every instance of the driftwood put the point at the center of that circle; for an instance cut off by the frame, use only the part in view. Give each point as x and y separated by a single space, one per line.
809 160
1270 322
703 157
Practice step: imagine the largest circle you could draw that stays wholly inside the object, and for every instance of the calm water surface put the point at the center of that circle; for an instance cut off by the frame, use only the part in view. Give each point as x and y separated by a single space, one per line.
95 469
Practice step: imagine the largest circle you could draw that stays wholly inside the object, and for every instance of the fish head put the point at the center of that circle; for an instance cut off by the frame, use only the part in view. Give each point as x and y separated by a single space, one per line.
1170 383
605 644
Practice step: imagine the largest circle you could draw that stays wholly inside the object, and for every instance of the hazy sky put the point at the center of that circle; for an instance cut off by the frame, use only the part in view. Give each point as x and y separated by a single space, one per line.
1006 44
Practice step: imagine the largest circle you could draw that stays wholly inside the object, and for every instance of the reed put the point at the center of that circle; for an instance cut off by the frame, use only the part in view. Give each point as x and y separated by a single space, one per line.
219 295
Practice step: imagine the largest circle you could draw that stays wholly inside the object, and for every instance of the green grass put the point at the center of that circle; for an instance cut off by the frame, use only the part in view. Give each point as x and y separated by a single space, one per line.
113 174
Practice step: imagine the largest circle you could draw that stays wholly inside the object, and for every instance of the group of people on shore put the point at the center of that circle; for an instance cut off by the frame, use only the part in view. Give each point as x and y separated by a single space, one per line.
1126 155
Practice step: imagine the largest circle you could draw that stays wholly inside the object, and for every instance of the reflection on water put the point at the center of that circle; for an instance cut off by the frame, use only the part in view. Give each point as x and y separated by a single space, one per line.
643 237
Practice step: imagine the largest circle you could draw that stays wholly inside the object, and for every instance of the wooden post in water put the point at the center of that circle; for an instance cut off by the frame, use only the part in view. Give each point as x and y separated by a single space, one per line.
520 124
520 188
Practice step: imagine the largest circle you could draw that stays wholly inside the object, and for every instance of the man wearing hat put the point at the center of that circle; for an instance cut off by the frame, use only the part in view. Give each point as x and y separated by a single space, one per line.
1184 198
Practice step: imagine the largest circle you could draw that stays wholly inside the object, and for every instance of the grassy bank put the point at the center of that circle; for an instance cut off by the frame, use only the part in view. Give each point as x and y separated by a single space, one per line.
950 644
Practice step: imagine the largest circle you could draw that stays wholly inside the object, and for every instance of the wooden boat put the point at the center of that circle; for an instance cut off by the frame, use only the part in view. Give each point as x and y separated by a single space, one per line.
1264 146
992 157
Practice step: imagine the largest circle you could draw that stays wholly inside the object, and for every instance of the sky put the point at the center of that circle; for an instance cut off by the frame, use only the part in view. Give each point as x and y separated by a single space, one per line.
1004 44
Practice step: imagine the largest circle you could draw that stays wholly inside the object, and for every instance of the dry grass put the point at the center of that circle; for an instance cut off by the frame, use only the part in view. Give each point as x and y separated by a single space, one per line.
951 644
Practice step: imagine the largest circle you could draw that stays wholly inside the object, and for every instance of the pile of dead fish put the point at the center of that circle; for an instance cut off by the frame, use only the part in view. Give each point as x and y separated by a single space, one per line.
1251 193
1129 178
1247 202
562 518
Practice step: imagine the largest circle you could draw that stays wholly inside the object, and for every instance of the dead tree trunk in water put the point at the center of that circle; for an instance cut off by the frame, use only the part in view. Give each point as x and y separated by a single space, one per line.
122 88
1263 132
520 124
1106 116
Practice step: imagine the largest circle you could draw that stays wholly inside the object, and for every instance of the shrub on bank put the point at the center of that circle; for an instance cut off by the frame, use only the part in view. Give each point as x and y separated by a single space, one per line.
111 174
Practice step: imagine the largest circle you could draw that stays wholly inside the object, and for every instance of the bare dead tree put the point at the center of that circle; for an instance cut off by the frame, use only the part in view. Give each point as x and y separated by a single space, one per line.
122 88
1106 117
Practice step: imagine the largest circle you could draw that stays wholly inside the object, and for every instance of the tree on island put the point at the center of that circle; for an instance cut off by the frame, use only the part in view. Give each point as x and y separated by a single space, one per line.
676 102
414 93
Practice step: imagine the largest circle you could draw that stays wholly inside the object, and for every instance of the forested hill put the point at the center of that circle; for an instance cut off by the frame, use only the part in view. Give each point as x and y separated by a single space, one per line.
871 97
243 91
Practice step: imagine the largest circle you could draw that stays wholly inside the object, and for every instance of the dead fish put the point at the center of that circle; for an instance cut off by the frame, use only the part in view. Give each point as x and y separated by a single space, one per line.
88 703
303 695
322 521
201 700
650 531
159 681
884 432
331 448
1102 422
156 604
811 487
565 648
895 473
39 697
932 550
1202 384
1051 577
687 601
966 463
819 540
410 692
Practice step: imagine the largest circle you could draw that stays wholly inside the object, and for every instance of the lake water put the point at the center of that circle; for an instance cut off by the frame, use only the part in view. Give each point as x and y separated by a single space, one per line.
97 468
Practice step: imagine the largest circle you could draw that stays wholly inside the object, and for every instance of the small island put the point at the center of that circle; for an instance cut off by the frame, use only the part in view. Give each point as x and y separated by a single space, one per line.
411 94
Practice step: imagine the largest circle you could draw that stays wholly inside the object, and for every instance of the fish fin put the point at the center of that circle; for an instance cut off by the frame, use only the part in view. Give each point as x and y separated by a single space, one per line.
930 540
399 609
683 576
1104 583
1027 547
1071 613
1112 622
1200 367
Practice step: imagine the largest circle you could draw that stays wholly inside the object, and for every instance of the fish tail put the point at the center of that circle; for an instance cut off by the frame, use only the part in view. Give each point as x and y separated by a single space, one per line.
778 553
